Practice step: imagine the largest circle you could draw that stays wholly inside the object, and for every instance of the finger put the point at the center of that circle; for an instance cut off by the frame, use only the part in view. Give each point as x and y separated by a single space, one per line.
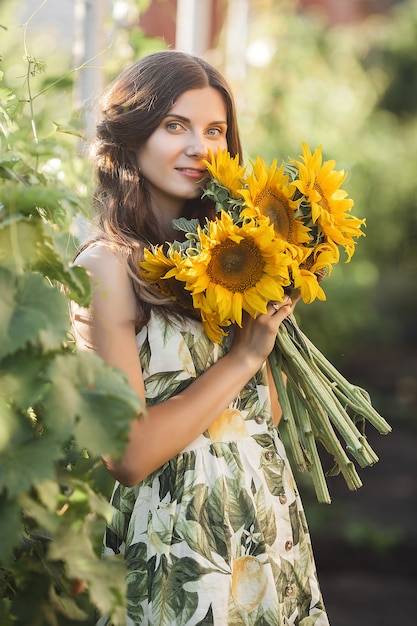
278 305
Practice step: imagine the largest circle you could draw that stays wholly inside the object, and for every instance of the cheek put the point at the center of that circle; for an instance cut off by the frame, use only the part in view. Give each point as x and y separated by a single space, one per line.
153 151
221 145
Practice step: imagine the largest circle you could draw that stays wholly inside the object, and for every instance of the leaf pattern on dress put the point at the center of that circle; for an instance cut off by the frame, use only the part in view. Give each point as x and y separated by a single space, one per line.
145 355
201 351
265 518
159 388
217 536
207 619
137 588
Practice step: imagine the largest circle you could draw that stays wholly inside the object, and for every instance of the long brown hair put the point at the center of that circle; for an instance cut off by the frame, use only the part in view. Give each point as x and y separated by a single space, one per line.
131 110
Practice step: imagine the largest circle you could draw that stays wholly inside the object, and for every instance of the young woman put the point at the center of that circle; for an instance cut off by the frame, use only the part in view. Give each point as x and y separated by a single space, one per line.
208 517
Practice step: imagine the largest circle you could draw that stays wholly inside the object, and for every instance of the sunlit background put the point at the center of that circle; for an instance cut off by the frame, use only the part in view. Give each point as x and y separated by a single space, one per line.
337 73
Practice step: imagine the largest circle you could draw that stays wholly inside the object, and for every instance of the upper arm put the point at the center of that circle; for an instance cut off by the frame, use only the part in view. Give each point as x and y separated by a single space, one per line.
108 326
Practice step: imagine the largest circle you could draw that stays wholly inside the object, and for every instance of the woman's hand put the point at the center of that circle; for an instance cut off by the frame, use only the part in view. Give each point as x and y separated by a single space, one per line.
256 338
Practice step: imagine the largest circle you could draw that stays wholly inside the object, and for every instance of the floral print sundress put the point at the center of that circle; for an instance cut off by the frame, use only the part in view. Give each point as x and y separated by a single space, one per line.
218 534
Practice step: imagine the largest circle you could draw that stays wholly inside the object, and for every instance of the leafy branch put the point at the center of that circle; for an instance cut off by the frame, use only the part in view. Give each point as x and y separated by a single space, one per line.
59 410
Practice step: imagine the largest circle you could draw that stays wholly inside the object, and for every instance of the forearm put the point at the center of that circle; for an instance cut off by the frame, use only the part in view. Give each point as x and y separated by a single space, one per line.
170 426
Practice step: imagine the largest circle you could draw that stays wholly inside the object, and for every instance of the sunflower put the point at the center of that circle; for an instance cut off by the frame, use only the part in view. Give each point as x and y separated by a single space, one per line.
309 286
269 194
317 262
320 183
213 326
239 268
158 264
226 171
161 268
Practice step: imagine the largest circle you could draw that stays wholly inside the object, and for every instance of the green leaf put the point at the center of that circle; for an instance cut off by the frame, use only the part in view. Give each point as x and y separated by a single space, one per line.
10 106
68 130
105 578
40 601
8 425
28 198
31 312
24 242
21 381
92 400
10 527
186 225
27 459
6 618
19 240
34 511
48 492
52 262
96 503
7 165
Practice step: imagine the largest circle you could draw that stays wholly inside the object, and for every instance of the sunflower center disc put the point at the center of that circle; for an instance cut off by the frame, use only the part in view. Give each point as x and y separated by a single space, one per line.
236 266
276 208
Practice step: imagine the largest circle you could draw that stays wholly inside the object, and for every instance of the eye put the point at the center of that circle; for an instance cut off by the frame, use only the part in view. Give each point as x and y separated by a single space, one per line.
215 132
174 127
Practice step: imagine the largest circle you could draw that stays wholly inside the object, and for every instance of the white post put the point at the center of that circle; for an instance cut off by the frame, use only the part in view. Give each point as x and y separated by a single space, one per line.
237 39
90 41
193 26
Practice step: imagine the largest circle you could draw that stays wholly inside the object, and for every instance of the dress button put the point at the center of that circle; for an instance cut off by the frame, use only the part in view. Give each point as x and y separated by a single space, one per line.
269 455
288 546
259 419
282 498
289 590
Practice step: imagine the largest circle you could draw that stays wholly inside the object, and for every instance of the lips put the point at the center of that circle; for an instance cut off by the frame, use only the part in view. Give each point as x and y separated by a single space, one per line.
192 173
192 170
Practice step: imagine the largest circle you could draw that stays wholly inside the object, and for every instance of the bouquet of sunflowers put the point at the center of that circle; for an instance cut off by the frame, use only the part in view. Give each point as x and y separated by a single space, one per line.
277 230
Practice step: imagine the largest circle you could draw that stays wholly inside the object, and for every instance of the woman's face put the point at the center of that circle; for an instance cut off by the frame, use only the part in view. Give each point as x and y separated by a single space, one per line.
171 160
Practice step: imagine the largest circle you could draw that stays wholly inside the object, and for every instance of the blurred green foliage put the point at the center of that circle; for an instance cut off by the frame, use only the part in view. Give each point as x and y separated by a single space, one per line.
351 88
59 410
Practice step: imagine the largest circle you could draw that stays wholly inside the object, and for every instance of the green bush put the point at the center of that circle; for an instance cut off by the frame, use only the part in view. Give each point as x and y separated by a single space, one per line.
59 410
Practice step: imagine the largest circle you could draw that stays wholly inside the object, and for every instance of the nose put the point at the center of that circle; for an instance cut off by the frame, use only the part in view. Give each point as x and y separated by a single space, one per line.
197 147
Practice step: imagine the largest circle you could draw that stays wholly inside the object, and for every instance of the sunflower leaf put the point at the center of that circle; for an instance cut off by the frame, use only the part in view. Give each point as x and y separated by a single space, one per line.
185 225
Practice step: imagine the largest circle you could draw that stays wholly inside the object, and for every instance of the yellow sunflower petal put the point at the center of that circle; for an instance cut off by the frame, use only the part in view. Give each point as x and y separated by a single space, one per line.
226 170
269 193
156 264
240 268
309 286
321 184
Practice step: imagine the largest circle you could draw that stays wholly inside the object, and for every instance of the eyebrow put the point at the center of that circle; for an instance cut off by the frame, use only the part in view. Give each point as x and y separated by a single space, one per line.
186 119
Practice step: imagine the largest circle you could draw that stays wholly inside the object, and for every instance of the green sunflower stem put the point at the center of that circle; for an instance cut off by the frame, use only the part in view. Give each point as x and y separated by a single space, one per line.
323 429
315 403
359 445
308 437
314 391
354 396
325 434
319 394
275 364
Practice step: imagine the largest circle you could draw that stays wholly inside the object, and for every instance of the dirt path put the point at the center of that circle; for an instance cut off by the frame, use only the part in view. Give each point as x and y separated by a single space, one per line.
370 579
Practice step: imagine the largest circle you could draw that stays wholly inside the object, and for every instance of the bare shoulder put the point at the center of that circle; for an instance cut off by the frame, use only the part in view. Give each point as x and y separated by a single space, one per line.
99 259
110 280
